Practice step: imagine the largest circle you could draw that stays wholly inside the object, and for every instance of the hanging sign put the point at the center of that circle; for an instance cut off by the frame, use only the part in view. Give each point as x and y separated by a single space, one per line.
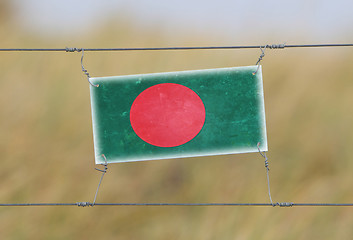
178 114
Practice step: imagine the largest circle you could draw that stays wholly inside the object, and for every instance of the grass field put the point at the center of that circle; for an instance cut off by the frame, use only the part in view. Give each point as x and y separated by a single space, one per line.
46 146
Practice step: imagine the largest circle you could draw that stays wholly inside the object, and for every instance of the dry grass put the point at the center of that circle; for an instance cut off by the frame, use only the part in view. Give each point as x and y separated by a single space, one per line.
46 148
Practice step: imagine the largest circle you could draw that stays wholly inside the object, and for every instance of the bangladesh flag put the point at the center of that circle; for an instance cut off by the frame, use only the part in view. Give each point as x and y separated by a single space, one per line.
178 114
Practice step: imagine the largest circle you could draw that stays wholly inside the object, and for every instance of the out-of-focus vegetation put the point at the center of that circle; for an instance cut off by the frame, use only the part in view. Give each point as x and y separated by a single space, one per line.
46 145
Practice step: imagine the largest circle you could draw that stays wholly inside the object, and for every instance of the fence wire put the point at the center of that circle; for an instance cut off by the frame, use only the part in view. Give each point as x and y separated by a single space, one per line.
268 46
89 204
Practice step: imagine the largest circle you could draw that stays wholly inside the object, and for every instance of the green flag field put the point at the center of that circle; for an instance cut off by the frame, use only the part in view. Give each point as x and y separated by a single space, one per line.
178 114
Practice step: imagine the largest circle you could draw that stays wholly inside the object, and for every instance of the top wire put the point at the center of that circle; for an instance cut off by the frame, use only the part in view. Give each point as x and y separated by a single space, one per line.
273 46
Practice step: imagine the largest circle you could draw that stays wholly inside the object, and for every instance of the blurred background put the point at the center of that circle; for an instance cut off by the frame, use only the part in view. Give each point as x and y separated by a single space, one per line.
46 142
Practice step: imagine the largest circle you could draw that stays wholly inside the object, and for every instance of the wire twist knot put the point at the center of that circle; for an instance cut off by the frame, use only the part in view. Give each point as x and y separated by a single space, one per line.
283 204
84 204
260 59
105 166
263 48
276 46
263 154
267 164
68 49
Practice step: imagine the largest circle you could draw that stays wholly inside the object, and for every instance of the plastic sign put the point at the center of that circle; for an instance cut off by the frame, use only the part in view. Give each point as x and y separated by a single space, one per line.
178 114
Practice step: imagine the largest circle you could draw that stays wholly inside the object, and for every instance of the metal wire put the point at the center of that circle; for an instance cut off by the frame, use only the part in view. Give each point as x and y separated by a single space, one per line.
82 67
258 61
103 172
272 46
88 204
263 154
35 204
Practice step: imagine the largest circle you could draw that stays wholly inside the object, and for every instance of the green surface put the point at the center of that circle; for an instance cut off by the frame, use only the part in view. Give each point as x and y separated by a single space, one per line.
234 103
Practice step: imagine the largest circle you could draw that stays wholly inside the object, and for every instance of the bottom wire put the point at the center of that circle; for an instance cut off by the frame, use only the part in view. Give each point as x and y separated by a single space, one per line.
87 204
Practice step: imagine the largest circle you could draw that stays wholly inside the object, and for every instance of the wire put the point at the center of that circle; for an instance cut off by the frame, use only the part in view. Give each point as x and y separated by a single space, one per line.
284 204
263 154
104 171
273 46
88 204
35 204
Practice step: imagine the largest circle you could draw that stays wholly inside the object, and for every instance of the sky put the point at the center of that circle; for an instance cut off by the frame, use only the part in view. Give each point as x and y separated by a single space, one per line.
315 20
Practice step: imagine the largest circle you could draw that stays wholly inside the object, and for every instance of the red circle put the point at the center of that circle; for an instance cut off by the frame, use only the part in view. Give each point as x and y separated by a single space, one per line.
167 115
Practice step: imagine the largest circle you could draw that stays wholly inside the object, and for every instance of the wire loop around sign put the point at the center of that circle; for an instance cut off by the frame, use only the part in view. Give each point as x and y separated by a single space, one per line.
83 69
263 154
260 59
103 172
